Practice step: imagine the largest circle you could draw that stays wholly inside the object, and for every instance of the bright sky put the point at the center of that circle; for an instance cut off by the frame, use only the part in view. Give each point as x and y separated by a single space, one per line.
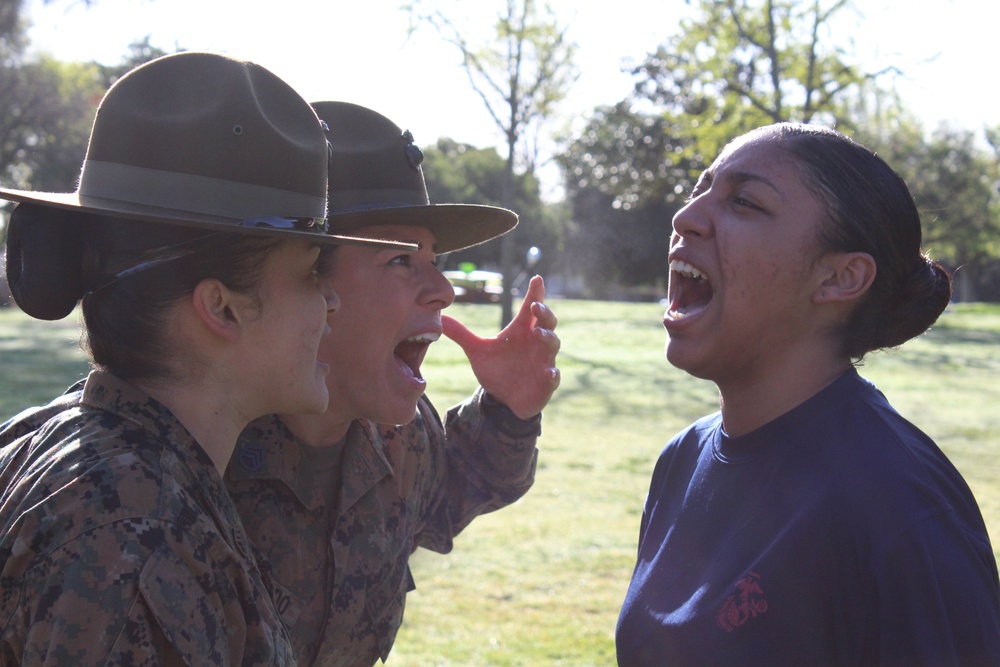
358 51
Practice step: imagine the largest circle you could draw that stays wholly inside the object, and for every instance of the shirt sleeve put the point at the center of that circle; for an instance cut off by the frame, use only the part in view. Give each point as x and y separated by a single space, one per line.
488 458
938 597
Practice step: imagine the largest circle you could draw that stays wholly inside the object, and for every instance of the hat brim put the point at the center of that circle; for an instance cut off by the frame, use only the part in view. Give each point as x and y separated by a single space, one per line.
455 226
73 201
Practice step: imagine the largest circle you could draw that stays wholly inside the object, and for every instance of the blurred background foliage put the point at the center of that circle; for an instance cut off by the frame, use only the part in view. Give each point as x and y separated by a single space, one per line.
730 66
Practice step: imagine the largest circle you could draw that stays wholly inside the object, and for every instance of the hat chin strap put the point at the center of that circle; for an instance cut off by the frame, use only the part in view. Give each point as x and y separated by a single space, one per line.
193 193
151 258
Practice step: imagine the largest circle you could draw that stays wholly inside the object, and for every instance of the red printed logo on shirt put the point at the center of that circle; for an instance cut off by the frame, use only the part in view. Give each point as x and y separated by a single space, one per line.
746 603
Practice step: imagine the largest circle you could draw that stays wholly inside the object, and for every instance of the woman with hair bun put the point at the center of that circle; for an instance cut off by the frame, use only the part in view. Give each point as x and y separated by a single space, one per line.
807 522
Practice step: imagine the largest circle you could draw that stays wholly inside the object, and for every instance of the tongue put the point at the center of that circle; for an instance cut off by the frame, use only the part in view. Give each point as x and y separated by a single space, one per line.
695 294
409 355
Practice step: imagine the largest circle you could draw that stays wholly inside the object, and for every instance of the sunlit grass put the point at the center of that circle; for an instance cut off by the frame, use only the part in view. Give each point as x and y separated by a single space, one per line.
38 360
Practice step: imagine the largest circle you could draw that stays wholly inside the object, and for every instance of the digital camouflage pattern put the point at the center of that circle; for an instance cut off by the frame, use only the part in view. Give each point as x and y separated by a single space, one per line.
341 568
119 544
486 461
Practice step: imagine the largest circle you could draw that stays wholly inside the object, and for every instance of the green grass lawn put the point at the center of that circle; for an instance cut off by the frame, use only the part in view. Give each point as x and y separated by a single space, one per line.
540 583
38 360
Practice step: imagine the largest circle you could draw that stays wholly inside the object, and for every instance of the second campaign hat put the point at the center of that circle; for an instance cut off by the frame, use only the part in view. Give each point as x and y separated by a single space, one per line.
376 179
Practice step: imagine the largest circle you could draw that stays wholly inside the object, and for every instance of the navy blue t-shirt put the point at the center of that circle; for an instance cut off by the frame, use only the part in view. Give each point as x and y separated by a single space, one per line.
837 534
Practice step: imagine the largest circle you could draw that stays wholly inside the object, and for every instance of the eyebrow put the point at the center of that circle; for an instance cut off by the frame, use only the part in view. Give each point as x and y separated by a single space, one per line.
750 177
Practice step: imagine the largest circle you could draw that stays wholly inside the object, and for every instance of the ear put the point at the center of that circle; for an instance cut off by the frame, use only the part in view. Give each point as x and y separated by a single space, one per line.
846 276
216 307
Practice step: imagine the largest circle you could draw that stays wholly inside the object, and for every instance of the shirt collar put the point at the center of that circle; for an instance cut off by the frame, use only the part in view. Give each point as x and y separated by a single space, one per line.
104 391
268 450
107 392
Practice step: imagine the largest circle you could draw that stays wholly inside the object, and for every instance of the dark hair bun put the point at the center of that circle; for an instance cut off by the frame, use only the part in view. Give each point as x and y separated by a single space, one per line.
919 303
44 260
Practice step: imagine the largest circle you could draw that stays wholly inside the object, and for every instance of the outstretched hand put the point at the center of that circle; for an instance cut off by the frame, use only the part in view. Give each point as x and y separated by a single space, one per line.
518 365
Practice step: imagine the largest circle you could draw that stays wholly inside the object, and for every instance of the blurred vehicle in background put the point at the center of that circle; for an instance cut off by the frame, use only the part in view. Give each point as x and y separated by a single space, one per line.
475 286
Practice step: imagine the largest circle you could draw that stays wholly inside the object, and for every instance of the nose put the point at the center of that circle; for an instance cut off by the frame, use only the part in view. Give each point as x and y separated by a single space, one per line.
692 221
331 296
439 293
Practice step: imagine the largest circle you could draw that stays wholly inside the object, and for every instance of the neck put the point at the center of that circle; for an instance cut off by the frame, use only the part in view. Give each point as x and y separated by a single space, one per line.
215 424
750 402
322 430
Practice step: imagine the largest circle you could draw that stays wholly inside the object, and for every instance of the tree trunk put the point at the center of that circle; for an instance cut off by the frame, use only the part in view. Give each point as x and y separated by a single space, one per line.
507 240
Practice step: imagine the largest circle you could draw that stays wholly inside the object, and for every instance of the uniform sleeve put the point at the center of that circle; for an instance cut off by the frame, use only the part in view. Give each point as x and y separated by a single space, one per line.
140 593
938 597
488 459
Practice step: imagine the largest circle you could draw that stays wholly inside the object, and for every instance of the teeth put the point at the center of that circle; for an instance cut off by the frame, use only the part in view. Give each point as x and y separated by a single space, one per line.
686 269
423 338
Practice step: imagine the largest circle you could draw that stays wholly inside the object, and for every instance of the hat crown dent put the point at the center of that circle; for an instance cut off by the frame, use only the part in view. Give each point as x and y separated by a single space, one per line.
211 135
369 168
358 130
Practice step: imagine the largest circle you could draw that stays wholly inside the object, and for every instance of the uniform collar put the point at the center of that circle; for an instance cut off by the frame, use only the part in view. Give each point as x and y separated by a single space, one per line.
268 450
106 392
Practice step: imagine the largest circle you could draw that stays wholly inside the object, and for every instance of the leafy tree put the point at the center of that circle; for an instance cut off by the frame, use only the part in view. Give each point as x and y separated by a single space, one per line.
955 182
31 114
48 109
623 193
139 52
739 64
956 186
619 254
48 106
630 156
47 123
45 118
733 65
521 73
11 27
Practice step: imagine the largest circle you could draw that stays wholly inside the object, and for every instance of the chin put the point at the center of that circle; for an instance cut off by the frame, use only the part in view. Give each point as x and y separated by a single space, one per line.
314 405
398 417
686 362
318 404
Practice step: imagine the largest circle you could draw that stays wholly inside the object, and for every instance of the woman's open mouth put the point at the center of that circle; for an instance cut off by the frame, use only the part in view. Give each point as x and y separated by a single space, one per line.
411 351
690 290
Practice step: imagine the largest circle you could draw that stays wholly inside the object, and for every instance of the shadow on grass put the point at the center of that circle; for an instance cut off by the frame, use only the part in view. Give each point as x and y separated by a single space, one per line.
38 361
948 349
633 390
945 333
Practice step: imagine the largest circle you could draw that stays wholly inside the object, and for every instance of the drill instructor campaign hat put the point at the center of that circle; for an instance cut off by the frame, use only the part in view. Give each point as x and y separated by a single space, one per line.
376 179
208 141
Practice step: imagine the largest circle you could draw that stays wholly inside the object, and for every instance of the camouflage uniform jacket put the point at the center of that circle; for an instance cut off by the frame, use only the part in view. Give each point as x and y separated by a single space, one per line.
341 571
119 544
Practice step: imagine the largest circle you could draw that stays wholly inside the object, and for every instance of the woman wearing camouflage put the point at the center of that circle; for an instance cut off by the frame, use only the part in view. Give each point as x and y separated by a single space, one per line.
193 242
